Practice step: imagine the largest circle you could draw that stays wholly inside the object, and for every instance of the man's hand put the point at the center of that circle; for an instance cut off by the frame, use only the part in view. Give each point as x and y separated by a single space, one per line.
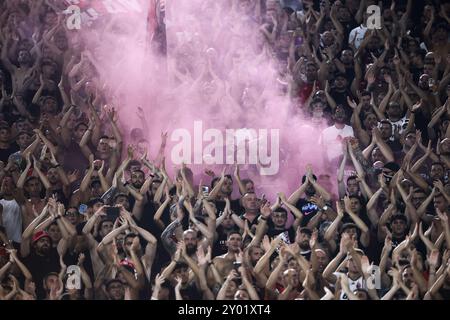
12 255
282 197
210 173
73 176
276 241
388 78
112 114
293 249
135 245
366 266
376 134
178 252
182 246
340 211
179 281
313 240
348 205
351 103
370 78
318 201
81 259
265 210
442 216
388 241
130 151
433 258
159 280
163 139
265 243
232 275
396 277
309 172
236 169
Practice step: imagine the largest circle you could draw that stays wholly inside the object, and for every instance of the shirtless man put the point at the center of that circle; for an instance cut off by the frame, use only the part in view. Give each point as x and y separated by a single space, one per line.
26 69
224 263
33 203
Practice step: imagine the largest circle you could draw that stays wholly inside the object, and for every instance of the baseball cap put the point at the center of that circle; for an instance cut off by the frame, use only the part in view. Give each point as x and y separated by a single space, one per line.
40 234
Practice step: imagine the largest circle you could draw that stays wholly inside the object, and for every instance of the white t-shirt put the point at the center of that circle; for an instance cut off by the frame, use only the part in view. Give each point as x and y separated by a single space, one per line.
357 35
331 139
359 283
12 219
401 125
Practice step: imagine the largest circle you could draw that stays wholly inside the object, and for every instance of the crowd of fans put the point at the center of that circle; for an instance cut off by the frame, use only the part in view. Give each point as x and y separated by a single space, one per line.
80 219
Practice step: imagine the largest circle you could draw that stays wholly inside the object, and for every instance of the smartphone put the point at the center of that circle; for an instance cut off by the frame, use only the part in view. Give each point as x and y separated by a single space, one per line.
112 213
205 190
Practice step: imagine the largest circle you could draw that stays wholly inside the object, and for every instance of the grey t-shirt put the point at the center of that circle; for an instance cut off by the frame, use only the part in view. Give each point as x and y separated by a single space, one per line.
12 219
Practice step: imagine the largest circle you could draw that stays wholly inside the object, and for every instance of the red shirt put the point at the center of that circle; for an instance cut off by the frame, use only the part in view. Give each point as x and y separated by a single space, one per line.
305 90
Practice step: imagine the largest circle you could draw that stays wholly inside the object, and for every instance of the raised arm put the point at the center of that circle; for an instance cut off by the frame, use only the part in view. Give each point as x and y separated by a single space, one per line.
365 236
294 197
160 211
201 227
423 207
237 177
28 232
384 148
331 230
262 263
333 265
41 176
169 232
4 56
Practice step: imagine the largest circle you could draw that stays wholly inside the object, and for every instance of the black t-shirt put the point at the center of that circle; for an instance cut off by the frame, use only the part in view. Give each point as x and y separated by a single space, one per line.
5 153
41 266
71 258
220 245
74 158
348 26
308 209
250 223
234 204
362 215
147 223
341 99
289 233
395 146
